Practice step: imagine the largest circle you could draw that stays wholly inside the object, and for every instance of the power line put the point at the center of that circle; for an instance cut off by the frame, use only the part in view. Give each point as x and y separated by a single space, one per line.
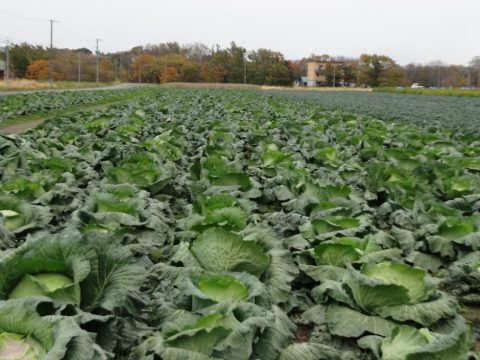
75 34
15 40
65 28
23 17
7 40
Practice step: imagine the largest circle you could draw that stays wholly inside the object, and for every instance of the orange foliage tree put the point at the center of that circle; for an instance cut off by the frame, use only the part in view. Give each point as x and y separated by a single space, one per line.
186 71
38 70
169 74
106 70
143 68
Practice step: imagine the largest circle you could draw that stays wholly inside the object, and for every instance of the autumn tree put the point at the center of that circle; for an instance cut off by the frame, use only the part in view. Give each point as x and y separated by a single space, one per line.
216 70
197 53
391 76
22 55
439 74
185 71
236 64
65 65
38 70
475 66
106 70
380 70
162 49
144 69
351 71
190 73
169 74
297 68
267 67
334 73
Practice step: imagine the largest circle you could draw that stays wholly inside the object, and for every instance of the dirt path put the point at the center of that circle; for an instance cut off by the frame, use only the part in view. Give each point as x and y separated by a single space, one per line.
25 125
21 127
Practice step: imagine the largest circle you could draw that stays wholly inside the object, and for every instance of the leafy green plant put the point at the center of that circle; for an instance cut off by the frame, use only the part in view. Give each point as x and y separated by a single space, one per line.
214 224
19 216
25 334
219 250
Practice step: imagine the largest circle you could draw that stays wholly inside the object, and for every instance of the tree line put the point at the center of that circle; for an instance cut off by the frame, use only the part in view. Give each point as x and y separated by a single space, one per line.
172 62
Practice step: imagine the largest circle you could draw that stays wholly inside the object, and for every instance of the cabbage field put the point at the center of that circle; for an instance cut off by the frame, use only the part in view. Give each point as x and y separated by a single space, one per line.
217 224
455 112
17 105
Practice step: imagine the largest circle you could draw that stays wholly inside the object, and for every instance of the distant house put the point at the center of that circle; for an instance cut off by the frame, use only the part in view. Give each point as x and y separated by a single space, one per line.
317 74
2 69
303 81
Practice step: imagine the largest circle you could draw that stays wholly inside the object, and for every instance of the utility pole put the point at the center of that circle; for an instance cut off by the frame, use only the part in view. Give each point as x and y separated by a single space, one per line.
334 74
79 66
97 59
7 68
116 71
121 66
245 68
50 70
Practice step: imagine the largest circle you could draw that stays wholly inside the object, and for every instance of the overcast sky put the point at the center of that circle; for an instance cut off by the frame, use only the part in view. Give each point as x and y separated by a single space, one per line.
407 30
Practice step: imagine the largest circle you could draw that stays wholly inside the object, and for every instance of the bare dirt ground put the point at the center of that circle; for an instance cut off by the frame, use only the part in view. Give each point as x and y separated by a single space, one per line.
21 127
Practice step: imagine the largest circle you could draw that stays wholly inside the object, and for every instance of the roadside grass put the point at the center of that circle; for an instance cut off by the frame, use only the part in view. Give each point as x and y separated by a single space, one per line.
436 92
188 85
316 88
256 87
24 84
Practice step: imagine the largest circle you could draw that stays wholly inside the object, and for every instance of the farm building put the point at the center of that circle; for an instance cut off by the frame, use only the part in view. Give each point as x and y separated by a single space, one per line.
317 72
304 81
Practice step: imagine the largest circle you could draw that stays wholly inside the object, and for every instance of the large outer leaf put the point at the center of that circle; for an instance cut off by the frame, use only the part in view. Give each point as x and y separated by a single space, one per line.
409 343
324 272
412 279
61 337
245 287
276 336
156 345
282 270
53 285
343 321
16 316
425 313
115 278
198 340
371 294
310 351
30 216
222 287
335 254
218 250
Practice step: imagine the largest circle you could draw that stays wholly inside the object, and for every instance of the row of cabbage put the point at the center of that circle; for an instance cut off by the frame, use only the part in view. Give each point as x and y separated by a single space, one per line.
17 105
458 113
201 224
